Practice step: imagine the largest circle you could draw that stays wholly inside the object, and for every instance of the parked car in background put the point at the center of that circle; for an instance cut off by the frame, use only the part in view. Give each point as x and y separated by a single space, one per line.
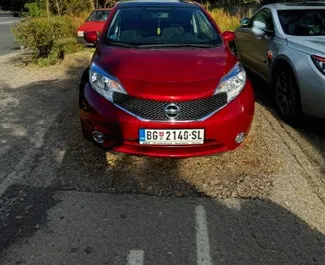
163 82
285 45
95 22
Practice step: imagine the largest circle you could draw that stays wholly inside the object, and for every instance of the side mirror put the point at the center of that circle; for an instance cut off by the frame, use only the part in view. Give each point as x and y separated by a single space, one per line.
260 29
228 36
91 36
244 21
270 33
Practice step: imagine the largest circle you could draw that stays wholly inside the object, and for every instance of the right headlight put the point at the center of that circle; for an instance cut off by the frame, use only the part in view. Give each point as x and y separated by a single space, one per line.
104 83
233 82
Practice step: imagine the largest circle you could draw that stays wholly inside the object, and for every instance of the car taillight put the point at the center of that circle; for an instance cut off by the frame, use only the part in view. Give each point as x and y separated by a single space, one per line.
319 62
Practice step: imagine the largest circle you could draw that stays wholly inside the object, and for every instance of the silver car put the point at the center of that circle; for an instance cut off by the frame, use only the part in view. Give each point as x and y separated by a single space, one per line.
285 45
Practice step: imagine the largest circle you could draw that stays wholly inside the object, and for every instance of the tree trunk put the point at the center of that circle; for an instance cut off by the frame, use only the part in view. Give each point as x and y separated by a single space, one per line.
48 8
58 7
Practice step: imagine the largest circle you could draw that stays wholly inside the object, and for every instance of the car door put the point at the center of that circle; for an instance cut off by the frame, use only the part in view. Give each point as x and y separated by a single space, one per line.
255 46
261 44
243 44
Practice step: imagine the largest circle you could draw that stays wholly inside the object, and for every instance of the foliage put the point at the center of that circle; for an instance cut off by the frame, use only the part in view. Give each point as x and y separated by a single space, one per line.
60 49
225 19
37 8
71 7
49 38
33 10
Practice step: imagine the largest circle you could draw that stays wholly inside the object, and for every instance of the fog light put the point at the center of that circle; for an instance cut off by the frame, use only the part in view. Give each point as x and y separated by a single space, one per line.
98 137
240 138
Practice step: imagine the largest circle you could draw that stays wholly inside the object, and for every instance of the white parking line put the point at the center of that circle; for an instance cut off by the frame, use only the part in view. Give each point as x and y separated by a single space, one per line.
8 22
202 237
135 257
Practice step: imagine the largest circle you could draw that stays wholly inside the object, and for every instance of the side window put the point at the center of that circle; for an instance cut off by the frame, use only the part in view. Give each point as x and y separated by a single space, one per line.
204 25
114 29
264 16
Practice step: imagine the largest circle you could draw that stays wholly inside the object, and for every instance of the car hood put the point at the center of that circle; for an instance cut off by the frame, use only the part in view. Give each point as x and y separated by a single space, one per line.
310 44
92 26
164 74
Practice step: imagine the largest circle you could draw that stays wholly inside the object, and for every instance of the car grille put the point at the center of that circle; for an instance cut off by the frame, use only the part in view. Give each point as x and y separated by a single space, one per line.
154 110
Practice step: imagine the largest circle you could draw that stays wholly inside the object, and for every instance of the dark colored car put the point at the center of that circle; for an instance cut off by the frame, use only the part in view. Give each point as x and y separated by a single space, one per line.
163 82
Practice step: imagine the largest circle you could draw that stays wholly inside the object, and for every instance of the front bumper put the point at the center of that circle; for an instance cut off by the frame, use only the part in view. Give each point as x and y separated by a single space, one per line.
82 41
121 130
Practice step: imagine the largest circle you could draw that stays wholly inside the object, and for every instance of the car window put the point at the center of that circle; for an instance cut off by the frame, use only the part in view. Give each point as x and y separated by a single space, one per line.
98 15
303 22
203 24
161 25
264 16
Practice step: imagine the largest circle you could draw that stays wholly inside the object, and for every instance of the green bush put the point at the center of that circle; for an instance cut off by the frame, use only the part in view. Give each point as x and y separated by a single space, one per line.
33 10
36 34
49 38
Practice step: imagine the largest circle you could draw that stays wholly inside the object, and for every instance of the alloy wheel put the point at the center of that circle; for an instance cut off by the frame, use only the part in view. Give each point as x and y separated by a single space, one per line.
285 94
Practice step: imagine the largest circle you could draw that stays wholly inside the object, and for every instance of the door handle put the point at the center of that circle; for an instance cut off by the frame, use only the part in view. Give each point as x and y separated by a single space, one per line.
261 37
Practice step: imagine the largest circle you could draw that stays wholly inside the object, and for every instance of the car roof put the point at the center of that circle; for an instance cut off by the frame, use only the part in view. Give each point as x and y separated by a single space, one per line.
172 3
297 5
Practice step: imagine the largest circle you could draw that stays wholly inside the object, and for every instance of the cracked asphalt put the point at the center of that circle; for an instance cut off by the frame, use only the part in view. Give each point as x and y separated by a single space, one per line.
64 201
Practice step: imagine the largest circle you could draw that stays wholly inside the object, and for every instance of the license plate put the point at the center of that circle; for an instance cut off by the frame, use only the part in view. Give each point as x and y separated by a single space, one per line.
171 137
80 33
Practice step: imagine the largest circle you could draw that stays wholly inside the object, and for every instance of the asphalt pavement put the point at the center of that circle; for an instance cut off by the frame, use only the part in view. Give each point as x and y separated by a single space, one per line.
7 40
102 229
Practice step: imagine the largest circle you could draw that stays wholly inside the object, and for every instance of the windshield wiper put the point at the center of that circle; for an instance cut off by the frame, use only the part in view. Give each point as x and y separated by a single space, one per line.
120 44
195 45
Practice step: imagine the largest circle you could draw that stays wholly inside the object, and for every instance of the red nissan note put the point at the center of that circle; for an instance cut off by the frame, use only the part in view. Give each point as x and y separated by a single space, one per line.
163 82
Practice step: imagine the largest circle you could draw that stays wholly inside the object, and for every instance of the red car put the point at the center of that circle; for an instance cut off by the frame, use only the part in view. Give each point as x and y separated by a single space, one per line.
163 82
95 22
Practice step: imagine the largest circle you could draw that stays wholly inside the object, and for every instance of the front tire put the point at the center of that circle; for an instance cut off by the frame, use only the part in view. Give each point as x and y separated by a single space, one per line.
286 95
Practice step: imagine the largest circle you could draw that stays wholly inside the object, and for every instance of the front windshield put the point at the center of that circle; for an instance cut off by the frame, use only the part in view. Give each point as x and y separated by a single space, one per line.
98 15
303 22
162 26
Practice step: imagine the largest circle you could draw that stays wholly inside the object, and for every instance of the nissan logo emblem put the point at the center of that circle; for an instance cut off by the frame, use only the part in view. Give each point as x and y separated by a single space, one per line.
171 111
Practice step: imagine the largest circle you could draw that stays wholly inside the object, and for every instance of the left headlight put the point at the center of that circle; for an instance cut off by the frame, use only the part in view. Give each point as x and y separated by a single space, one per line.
103 83
233 82
319 62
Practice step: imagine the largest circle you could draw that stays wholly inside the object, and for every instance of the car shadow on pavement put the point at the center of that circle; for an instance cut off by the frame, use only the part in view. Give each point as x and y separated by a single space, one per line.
47 114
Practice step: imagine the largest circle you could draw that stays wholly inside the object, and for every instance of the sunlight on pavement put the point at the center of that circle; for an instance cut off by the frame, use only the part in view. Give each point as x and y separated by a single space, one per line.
135 257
